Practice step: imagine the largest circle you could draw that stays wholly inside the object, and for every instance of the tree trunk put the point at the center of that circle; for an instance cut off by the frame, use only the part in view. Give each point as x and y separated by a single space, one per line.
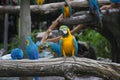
48 8
25 22
25 26
57 67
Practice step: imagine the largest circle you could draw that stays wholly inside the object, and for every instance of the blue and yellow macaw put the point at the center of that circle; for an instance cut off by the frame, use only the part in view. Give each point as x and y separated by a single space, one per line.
95 10
16 53
115 1
67 10
39 2
53 47
31 50
68 44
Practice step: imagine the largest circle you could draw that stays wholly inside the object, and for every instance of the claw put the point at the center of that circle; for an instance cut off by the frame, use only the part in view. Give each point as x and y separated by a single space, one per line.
64 59
74 58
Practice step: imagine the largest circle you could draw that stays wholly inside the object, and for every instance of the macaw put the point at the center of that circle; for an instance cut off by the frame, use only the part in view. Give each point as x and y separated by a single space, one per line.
94 9
16 53
67 10
31 50
68 44
53 47
115 1
39 2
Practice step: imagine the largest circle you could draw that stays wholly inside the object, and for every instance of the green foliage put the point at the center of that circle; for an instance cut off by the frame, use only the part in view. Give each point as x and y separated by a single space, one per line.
102 46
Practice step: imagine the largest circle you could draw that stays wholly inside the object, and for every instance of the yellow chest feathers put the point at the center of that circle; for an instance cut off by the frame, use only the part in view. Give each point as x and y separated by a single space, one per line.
67 44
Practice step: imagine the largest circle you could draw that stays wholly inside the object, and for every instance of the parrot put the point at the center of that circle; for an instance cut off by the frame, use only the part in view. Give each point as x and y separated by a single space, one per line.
53 47
66 10
16 53
39 2
95 10
31 50
68 44
115 1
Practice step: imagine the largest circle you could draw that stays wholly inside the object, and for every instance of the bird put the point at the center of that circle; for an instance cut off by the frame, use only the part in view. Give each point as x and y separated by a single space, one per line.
115 1
66 10
32 50
68 44
39 2
53 47
95 10
16 53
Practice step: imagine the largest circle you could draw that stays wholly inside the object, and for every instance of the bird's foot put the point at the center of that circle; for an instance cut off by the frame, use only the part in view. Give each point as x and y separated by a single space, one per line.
74 58
64 59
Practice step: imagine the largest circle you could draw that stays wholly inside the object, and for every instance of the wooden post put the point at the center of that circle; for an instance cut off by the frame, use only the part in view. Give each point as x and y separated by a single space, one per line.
6 32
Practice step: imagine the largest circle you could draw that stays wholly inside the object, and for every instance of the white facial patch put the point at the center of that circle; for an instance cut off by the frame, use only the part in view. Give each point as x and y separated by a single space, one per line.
65 32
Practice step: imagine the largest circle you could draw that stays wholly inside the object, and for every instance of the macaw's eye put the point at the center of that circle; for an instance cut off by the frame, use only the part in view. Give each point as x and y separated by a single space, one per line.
27 42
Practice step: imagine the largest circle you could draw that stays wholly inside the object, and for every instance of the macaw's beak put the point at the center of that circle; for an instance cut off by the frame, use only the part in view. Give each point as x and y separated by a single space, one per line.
27 42
63 32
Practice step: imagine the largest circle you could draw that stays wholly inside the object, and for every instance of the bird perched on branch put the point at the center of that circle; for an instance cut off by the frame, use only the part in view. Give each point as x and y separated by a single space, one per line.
66 10
39 2
53 47
16 53
31 50
68 44
95 10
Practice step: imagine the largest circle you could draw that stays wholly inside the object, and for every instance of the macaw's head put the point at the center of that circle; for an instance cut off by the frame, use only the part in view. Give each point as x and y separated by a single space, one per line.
64 31
28 40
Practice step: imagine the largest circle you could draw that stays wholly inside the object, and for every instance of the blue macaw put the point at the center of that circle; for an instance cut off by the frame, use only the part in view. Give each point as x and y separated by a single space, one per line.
94 9
115 1
67 10
68 44
16 53
53 47
31 50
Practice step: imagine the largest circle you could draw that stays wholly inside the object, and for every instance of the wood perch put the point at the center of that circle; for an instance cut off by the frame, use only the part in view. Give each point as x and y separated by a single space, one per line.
48 8
84 17
57 67
53 25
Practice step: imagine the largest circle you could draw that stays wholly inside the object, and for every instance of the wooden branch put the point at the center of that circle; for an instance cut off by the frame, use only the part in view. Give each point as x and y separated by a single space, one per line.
53 25
76 29
84 17
57 67
48 8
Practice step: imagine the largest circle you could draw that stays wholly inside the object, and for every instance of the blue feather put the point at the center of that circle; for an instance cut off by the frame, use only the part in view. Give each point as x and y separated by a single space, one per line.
60 45
94 9
16 54
55 47
76 46
115 1
32 49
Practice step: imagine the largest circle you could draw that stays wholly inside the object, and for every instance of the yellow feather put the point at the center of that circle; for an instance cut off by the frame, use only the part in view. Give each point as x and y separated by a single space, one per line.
68 48
40 2
66 11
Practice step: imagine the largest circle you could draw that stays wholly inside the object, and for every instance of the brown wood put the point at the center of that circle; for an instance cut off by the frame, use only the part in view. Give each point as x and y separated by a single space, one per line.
57 67
47 8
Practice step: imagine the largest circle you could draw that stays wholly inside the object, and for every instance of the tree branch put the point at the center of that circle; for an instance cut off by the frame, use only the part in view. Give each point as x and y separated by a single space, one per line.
83 17
57 67
48 8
